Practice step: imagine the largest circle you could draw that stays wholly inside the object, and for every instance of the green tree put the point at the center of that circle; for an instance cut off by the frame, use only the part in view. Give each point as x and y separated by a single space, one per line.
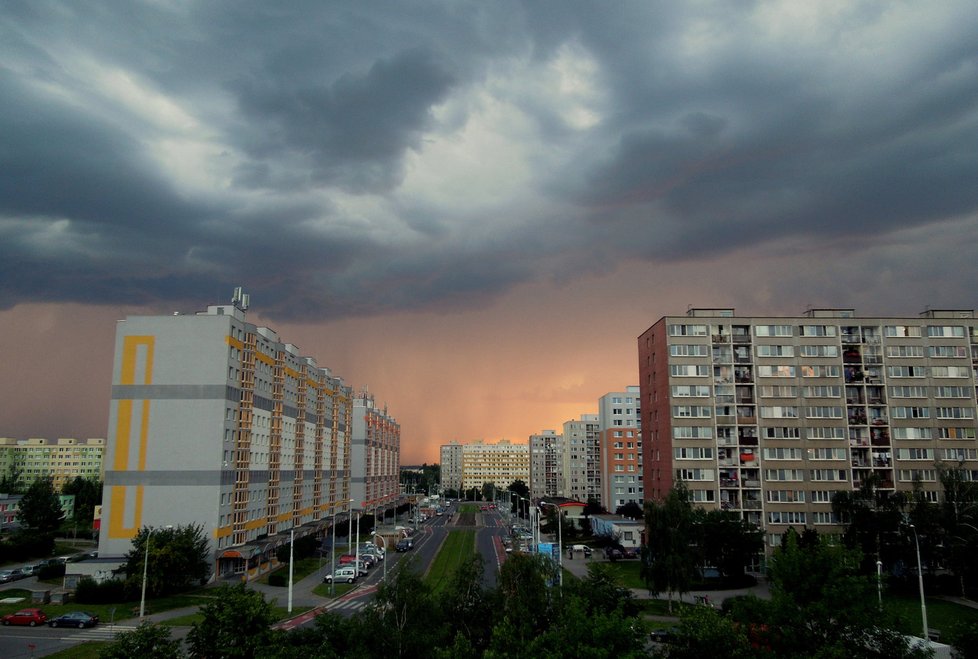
630 510
959 522
521 490
727 541
822 606
10 482
179 557
873 519
236 624
471 605
669 564
40 507
88 494
524 595
148 640
405 609
704 632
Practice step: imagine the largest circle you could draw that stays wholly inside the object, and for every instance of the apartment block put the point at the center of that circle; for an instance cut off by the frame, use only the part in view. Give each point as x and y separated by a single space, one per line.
375 451
218 422
582 458
451 466
500 463
546 465
61 459
620 441
771 416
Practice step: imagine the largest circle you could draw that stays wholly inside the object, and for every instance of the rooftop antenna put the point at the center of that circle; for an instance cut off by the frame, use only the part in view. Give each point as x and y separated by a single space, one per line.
240 299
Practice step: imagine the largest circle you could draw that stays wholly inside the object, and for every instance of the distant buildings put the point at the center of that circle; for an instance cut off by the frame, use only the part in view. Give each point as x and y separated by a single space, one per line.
619 421
547 465
218 422
769 417
582 458
451 466
473 465
60 459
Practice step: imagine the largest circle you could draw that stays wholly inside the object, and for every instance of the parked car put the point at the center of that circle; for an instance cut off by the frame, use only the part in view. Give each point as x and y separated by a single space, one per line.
347 574
6 576
21 573
29 617
77 619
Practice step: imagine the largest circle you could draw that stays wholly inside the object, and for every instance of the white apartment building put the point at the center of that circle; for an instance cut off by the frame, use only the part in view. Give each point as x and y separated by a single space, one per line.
218 422
375 445
500 463
546 465
582 458
619 419
451 466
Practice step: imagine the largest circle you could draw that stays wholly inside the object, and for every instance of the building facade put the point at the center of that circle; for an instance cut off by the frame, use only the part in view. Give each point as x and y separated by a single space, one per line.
451 466
61 459
500 463
375 451
546 465
217 422
771 416
582 458
619 420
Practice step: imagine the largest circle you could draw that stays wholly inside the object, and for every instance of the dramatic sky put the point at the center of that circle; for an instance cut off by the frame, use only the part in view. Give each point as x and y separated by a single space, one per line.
471 208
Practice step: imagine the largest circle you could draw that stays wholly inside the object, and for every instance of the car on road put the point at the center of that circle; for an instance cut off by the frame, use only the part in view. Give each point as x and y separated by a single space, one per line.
404 544
77 619
29 617
7 576
347 574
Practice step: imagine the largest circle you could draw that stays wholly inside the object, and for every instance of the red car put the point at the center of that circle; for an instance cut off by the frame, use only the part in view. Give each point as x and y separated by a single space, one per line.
30 617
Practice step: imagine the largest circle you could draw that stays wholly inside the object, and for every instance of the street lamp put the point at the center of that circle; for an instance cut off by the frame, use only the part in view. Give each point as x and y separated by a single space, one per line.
879 582
142 597
291 563
920 581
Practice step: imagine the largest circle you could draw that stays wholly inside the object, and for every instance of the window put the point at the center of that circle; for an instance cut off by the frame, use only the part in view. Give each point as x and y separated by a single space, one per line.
827 412
907 371
904 351
955 412
915 454
950 372
826 433
959 454
822 496
782 453
690 391
691 411
784 474
782 412
824 517
692 432
948 352
956 433
701 496
688 350
694 474
902 331
813 371
817 330
819 351
828 475
826 454
782 433
910 412
824 391
775 351
692 453
908 392
923 475
779 391
773 330
786 517
689 370
911 433
687 330
776 371
952 392
945 330
786 496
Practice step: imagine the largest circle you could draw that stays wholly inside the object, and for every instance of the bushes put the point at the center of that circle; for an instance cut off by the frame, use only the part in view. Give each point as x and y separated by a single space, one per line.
51 571
22 546
113 590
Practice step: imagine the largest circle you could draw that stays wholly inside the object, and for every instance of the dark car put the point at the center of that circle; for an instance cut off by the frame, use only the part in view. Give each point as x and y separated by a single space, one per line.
403 545
74 619
29 617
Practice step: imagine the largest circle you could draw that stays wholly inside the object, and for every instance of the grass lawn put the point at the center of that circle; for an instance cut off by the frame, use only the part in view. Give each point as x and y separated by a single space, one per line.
107 612
459 546
941 614
468 508
303 568
341 589
88 650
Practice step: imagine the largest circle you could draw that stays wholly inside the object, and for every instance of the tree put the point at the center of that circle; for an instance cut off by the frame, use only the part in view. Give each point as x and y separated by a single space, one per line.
10 482
237 623
873 519
178 558
705 632
593 507
822 606
40 508
668 563
631 510
88 494
524 596
405 609
471 605
727 541
959 521
148 640
519 488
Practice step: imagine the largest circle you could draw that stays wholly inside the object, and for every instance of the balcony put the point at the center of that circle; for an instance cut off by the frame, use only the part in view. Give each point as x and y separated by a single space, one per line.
752 505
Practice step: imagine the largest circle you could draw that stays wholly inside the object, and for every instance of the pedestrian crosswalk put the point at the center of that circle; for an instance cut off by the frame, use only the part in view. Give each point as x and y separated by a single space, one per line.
348 606
97 633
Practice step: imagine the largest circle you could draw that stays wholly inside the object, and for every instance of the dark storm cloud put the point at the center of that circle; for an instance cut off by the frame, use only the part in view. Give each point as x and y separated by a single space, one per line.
357 158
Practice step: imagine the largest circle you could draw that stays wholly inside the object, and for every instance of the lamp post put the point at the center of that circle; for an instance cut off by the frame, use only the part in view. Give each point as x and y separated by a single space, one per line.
920 581
291 563
142 597
332 555
879 583
356 568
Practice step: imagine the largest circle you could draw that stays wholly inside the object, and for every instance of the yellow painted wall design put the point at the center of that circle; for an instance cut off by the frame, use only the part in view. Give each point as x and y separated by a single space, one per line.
137 359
